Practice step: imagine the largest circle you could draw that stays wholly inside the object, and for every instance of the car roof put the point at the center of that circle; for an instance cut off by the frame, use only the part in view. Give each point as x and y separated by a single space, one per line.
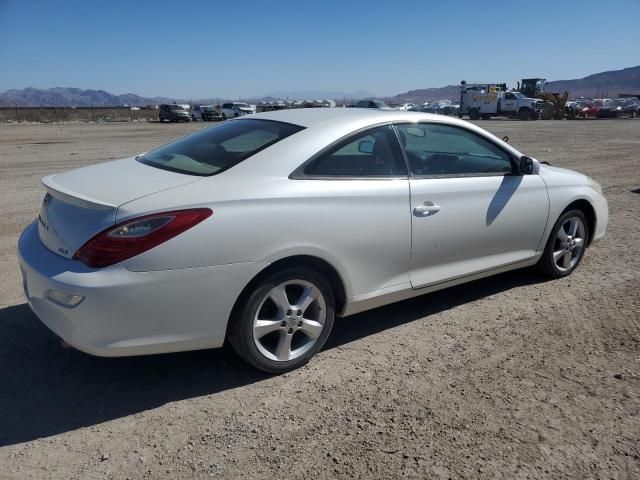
307 117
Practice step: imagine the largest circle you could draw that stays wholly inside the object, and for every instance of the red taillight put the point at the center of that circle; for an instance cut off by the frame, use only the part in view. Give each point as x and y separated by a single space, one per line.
132 237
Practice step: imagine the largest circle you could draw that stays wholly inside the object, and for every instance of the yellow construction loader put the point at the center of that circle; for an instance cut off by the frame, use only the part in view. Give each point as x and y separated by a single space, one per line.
554 102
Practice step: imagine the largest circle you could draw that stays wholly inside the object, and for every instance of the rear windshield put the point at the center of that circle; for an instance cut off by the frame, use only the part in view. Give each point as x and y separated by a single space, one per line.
218 148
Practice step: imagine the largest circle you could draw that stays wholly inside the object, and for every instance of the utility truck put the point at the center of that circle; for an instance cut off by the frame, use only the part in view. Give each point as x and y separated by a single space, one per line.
486 100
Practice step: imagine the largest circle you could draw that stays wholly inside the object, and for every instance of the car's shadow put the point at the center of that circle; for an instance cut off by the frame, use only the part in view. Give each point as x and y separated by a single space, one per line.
46 389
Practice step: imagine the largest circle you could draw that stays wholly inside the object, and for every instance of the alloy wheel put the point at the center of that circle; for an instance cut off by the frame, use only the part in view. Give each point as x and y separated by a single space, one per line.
289 320
569 243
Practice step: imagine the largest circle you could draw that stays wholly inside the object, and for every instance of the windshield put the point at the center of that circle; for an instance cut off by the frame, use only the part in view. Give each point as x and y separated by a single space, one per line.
380 104
242 105
518 95
218 148
206 108
175 107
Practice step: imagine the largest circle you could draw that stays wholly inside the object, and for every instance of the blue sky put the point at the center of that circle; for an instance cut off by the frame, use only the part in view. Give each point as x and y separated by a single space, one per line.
252 48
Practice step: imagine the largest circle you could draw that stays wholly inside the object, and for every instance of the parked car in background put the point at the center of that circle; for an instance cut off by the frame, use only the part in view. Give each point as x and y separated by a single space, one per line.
631 107
586 109
611 109
377 104
173 113
205 113
442 107
259 231
433 107
406 107
236 109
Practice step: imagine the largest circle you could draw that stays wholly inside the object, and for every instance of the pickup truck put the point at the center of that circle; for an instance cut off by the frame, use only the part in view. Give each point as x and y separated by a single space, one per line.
490 100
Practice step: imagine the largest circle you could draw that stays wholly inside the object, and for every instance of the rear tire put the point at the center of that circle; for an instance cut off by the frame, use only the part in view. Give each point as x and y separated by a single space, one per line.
284 321
566 245
474 114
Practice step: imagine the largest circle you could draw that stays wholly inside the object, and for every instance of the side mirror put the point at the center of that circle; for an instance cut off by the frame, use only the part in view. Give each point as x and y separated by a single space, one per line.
526 166
365 146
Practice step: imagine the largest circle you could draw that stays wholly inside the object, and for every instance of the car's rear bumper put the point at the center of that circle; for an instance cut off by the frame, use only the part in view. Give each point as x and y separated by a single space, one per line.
131 313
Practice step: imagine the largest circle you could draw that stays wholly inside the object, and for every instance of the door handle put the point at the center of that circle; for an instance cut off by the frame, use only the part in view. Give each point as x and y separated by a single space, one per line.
426 209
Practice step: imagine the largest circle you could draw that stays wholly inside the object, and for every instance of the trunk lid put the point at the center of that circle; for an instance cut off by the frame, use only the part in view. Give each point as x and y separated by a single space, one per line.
81 203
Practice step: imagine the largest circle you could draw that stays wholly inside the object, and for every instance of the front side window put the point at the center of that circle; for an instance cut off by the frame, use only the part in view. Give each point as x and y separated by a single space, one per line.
218 148
439 149
372 153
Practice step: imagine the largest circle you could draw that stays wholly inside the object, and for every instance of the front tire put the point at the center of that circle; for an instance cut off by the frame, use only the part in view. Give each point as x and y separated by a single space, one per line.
474 114
284 321
523 114
566 245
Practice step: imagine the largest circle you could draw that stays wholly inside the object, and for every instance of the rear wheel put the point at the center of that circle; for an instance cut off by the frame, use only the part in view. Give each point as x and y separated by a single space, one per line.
284 321
474 114
566 245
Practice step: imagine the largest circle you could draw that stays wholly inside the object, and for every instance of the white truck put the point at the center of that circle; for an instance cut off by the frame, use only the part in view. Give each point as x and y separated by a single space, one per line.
486 100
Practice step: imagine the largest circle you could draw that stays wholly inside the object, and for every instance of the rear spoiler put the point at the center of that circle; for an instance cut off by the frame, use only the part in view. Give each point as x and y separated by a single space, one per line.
74 198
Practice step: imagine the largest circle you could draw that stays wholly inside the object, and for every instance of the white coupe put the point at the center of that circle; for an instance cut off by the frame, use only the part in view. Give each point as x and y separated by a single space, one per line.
260 230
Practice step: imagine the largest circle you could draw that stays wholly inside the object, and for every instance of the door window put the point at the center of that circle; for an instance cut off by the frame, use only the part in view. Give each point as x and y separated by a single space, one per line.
373 153
439 149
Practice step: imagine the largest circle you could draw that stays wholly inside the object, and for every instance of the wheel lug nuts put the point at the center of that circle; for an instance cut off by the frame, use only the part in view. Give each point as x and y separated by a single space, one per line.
300 323
288 312
290 330
283 324
299 313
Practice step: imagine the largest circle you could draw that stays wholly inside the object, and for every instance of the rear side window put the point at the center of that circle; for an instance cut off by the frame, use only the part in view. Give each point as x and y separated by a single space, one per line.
372 153
439 149
218 148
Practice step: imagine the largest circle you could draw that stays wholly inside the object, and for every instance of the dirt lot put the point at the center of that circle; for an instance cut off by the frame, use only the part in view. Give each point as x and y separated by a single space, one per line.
508 377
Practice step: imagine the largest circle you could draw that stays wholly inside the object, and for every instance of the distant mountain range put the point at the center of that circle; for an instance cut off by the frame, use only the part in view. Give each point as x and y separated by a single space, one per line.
73 97
605 84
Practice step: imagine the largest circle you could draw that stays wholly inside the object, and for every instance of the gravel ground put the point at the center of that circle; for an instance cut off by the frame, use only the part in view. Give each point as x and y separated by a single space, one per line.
507 377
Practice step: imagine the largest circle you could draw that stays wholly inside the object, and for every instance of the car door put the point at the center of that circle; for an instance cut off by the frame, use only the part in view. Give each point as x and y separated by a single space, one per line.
509 102
471 210
356 198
